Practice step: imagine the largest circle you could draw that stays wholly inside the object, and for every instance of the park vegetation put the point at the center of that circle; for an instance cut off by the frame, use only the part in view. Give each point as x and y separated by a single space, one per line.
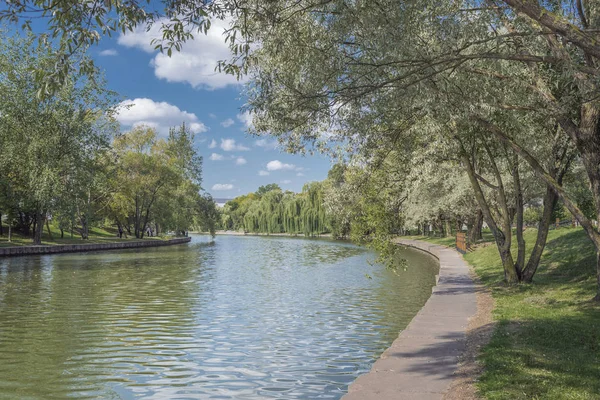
443 115
503 90
65 163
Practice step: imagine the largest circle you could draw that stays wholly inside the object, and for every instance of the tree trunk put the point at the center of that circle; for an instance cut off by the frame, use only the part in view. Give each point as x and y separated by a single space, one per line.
597 297
550 200
510 272
519 217
34 227
448 228
62 233
136 219
48 229
475 232
39 227
9 232
1 229
502 243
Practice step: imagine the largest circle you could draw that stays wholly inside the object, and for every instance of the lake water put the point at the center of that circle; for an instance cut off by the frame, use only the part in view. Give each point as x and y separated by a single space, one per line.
237 318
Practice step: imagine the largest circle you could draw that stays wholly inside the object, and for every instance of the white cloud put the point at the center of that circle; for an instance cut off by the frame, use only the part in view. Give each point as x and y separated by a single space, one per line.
212 115
286 182
246 119
266 144
299 174
213 144
263 173
240 161
109 52
159 115
195 63
277 165
222 186
230 145
227 123
216 157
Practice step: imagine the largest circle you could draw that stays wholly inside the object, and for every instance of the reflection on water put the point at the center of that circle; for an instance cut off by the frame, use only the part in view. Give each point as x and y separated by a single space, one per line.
240 318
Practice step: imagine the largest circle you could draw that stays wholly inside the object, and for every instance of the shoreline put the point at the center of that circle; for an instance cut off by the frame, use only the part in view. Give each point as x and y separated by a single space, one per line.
423 361
81 248
238 233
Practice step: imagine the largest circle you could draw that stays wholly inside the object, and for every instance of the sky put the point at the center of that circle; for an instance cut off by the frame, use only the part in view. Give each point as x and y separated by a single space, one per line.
164 92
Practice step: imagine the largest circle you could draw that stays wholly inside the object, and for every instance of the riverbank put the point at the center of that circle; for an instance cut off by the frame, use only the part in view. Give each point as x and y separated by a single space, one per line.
421 363
546 343
238 233
73 248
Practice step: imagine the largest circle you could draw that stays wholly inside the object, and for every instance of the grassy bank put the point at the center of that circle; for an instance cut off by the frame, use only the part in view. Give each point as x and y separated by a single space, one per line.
96 235
547 341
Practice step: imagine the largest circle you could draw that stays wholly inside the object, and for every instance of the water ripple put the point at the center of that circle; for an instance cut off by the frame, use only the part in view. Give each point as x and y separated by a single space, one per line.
240 318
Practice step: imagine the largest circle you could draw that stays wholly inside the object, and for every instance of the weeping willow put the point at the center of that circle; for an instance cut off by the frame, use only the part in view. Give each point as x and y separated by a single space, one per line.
279 212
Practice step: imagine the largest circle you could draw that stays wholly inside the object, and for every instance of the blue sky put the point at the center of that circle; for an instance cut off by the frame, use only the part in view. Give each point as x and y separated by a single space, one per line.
165 91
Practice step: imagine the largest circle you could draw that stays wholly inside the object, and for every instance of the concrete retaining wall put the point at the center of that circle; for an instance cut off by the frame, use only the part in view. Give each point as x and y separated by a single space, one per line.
72 248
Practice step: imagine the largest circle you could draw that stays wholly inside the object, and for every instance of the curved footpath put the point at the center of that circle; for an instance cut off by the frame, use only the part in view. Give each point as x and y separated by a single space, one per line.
422 361
73 248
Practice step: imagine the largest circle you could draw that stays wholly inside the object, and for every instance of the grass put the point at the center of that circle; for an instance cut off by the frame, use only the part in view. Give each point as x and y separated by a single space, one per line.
450 241
547 341
96 235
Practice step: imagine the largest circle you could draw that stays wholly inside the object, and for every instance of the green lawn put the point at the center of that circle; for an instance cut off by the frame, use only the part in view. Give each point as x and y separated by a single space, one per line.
96 235
547 341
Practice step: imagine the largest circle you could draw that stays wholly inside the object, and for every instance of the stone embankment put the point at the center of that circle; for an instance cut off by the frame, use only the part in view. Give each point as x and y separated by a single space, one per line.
73 248
422 362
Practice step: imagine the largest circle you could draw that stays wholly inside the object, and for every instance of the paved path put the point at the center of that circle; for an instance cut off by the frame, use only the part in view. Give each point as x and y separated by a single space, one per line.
421 362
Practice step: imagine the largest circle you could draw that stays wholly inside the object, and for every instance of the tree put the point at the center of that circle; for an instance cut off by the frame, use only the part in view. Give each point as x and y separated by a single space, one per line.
144 171
44 142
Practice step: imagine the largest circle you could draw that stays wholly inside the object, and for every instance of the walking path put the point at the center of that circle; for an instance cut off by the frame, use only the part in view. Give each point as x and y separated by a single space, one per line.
422 361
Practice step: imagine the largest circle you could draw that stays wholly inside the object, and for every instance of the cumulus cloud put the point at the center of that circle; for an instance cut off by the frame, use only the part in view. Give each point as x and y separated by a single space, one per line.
195 63
240 161
109 52
286 182
227 123
231 145
222 186
159 115
246 119
213 144
299 174
277 165
263 173
216 157
266 144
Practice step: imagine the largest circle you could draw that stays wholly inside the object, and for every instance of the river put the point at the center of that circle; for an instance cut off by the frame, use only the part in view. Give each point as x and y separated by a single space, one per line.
234 318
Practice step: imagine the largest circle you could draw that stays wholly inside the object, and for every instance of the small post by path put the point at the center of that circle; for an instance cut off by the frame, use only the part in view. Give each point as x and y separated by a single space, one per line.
461 242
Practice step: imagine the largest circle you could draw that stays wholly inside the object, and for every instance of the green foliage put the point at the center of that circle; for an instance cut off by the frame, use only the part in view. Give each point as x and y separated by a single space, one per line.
270 210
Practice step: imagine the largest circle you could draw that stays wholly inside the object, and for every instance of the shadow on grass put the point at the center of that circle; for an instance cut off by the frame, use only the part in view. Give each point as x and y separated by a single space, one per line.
545 358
